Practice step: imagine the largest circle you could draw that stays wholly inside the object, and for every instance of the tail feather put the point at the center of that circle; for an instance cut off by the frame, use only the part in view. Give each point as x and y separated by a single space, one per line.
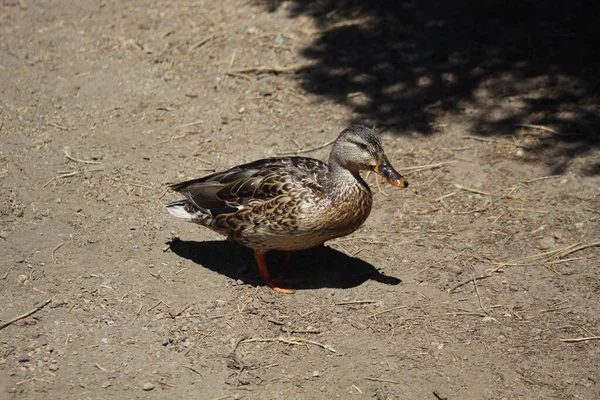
181 209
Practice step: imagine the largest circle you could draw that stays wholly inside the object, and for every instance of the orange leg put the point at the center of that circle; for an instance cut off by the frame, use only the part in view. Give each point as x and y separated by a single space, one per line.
263 271
287 257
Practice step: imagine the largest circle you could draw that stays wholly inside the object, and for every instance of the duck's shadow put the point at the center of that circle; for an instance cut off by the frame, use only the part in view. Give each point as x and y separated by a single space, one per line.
319 267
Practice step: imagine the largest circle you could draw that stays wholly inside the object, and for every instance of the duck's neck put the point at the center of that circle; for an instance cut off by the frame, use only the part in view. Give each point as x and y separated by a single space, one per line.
341 179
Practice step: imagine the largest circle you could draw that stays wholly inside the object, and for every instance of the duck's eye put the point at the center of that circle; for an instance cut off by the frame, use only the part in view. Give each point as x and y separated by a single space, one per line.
362 146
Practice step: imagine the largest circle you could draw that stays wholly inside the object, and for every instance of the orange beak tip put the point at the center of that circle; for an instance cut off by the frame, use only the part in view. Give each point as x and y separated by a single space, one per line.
403 183
390 175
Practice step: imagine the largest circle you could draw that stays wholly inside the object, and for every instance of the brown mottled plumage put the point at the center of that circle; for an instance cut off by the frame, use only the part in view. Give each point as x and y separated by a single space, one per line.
289 203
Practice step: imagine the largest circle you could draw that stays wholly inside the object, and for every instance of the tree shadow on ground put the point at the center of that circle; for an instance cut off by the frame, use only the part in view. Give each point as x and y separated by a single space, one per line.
500 64
319 267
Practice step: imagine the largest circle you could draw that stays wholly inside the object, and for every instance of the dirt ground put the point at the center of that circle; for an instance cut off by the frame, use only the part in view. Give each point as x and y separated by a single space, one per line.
466 285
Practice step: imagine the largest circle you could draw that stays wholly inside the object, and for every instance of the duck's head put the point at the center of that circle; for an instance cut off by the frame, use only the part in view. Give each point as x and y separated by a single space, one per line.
359 148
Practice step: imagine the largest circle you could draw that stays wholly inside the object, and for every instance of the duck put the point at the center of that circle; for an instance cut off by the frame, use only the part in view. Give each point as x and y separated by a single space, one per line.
289 203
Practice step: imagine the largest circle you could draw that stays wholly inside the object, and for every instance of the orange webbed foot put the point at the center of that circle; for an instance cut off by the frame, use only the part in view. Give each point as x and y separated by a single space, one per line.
275 283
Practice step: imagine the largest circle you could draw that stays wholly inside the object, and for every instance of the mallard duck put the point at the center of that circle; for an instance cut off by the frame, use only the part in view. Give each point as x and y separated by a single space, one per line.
289 203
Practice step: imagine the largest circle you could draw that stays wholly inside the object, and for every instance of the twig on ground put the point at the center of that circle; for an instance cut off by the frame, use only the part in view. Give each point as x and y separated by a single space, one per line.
382 380
497 218
156 305
478 210
477 293
454 148
548 258
27 314
468 189
562 261
57 126
566 252
345 303
428 211
469 281
445 196
580 339
239 342
67 153
296 330
191 123
137 314
192 369
551 253
64 175
357 389
54 251
201 43
438 397
276 322
6 274
479 139
275 69
241 76
290 340
541 178
34 379
540 127
101 368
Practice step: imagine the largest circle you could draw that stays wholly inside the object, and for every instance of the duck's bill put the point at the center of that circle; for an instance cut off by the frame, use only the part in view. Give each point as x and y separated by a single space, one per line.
390 175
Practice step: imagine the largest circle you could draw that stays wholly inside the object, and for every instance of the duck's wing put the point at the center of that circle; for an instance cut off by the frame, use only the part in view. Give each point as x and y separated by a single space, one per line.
260 180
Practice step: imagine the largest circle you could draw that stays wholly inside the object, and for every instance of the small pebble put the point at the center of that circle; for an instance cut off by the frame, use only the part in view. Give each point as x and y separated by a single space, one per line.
316 374
169 76
53 367
546 243
3 234
106 384
148 386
